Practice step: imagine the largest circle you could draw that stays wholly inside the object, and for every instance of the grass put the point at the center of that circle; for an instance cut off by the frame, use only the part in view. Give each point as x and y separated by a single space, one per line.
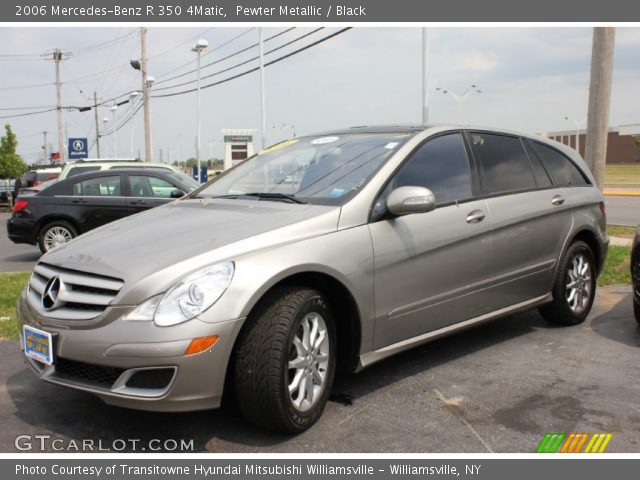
621 231
10 286
622 175
617 267
616 272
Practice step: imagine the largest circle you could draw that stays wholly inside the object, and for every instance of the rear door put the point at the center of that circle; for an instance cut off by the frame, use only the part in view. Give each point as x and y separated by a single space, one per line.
97 201
147 191
530 222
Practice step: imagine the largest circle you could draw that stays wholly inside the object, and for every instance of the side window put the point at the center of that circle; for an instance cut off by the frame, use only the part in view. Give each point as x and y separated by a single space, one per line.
147 186
504 164
561 169
98 187
440 165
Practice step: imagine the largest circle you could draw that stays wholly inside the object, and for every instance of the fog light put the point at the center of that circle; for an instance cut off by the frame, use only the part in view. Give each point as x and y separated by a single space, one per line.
200 344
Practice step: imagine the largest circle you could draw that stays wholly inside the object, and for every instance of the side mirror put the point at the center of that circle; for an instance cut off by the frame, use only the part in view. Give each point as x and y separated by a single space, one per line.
177 193
408 200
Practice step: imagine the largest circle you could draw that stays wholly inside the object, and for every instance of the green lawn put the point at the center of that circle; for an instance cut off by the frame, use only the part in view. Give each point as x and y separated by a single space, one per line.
616 271
622 175
620 231
10 286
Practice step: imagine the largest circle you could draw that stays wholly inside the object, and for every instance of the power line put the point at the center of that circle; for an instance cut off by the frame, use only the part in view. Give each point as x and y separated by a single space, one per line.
241 63
247 72
227 57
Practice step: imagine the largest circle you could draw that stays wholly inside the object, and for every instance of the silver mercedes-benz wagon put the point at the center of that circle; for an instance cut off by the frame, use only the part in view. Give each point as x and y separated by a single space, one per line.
324 252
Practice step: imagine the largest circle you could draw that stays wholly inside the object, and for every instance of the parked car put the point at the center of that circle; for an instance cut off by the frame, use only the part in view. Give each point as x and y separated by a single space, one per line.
93 165
635 273
6 189
83 202
35 177
390 237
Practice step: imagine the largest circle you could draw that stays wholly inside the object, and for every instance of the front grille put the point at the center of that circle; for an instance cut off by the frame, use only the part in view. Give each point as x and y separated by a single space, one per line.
87 373
155 378
77 295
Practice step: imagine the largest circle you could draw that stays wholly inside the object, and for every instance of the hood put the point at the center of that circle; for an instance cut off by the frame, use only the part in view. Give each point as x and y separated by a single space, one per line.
184 235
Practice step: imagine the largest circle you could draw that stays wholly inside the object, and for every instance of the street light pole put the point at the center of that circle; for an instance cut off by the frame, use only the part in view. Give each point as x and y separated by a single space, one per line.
200 46
425 75
577 124
263 99
105 121
460 99
115 133
132 97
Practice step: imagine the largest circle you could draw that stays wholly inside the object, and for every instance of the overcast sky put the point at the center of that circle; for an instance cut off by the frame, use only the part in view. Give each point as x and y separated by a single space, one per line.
530 79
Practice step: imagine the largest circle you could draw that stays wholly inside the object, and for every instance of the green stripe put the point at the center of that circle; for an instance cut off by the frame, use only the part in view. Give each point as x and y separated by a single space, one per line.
555 447
541 447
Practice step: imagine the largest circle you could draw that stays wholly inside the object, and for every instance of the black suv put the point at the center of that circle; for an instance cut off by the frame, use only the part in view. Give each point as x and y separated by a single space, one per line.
81 203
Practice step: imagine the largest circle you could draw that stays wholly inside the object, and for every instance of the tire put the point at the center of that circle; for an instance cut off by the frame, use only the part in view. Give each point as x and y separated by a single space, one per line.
61 229
271 342
569 308
635 280
636 309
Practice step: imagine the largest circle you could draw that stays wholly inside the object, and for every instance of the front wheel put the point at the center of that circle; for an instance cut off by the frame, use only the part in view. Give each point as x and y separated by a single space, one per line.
574 287
55 234
285 360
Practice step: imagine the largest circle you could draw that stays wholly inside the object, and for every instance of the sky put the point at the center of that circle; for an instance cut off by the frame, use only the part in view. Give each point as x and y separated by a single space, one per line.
530 79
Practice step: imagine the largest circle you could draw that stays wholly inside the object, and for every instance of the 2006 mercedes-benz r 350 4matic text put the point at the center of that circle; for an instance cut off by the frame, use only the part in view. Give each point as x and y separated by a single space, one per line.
322 252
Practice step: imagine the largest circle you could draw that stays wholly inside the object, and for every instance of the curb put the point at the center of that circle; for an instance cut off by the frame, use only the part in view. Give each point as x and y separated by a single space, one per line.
613 192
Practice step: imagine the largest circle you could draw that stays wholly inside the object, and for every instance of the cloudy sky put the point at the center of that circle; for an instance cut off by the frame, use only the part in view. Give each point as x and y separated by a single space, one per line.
531 78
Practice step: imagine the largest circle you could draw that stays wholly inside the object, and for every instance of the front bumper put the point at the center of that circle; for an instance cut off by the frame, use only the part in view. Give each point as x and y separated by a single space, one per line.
137 364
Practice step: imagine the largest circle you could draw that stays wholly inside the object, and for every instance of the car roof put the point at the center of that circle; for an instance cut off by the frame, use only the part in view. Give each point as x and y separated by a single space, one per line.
116 171
391 128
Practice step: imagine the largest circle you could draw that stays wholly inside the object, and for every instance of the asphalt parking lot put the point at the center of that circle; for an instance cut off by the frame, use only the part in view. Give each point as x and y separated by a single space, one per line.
499 387
15 258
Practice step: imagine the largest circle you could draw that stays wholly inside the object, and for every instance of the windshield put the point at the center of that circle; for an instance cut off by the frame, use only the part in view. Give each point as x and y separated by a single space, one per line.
324 170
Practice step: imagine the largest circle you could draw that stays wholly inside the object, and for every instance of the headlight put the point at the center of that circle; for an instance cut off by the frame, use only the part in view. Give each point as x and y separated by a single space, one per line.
189 297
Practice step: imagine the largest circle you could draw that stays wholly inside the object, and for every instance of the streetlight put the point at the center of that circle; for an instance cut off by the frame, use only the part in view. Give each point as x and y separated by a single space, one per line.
577 124
132 98
471 89
115 135
105 122
200 46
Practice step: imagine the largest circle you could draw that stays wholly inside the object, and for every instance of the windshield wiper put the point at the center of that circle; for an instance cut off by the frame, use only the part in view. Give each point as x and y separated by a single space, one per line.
266 196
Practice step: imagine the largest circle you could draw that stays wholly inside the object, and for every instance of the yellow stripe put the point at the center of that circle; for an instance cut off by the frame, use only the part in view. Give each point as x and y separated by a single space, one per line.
596 445
606 441
567 442
581 443
590 444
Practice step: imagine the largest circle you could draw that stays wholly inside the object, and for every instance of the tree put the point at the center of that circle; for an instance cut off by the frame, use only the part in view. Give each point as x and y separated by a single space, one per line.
11 165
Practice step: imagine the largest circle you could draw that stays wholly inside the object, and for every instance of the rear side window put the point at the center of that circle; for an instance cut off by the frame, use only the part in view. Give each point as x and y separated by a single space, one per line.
504 163
440 165
561 169
146 186
98 187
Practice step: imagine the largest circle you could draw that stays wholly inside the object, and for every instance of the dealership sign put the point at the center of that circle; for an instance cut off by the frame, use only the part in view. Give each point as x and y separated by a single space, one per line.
78 148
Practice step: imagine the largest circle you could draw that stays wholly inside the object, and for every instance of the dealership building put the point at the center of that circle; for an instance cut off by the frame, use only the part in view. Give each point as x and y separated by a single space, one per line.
621 144
238 146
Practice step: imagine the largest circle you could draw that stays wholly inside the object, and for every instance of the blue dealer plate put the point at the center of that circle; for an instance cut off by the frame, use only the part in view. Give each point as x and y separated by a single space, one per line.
38 344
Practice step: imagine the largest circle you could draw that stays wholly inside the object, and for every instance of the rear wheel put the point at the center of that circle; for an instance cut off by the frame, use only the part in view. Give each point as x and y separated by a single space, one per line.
635 279
574 287
55 234
285 360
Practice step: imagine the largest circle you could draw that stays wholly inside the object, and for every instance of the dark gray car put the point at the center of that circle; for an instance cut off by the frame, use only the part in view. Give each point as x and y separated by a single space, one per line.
328 251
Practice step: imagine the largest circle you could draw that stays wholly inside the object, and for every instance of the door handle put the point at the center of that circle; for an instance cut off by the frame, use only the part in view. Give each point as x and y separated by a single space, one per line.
81 200
475 216
557 200
137 202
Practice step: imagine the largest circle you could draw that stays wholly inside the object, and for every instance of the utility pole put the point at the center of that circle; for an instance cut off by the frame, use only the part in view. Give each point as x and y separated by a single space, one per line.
57 57
145 95
599 100
425 75
263 98
95 111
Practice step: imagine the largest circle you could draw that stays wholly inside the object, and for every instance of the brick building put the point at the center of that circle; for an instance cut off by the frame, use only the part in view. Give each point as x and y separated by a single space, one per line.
621 145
